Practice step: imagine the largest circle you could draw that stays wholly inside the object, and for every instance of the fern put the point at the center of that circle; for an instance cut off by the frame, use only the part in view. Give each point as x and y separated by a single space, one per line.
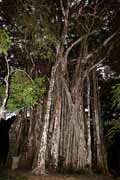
116 95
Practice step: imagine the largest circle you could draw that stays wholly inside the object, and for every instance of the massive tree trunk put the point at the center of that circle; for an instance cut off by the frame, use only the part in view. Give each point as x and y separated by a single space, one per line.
66 137
65 143
62 137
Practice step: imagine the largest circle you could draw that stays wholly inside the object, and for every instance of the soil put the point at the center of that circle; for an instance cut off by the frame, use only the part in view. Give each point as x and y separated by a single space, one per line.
22 175
69 178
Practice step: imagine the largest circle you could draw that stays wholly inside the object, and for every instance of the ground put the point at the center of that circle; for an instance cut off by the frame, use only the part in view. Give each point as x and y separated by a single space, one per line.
69 178
21 175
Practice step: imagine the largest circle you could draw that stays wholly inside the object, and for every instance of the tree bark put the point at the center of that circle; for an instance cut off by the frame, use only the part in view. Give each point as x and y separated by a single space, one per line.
101 154
40 167
89 155
63 144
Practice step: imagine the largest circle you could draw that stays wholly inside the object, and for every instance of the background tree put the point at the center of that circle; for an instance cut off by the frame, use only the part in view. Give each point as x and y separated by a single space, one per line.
5 43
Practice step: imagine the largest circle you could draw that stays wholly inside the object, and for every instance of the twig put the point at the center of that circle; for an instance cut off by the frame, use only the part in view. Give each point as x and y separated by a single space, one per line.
105 43
28 54
62 7
95 65
20 70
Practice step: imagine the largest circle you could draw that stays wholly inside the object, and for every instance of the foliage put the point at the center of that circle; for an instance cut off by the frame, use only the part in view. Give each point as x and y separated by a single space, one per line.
24 92
116 95
5 41
38 34
44 45
113 133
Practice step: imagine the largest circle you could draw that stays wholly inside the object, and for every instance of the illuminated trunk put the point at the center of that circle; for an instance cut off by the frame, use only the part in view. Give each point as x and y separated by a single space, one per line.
63 143
66 141
40 167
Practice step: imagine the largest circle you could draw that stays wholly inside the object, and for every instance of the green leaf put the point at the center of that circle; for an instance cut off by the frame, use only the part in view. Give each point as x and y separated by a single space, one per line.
24 92
116 95
5 41
113 133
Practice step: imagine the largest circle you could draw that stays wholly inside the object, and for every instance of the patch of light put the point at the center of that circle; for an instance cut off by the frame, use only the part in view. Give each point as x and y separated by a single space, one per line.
9 115
20 45
5 28
86 3
12 56
9 60
75 2
86 109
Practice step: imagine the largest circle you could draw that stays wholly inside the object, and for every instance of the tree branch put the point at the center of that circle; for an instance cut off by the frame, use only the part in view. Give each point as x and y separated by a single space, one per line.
62 7
95 65
77 42
28 54
92 68
104 45
99 52
28 76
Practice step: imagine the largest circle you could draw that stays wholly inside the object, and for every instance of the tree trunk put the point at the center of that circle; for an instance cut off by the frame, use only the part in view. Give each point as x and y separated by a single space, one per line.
89 155
62 139
40 167
66 142
101 154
